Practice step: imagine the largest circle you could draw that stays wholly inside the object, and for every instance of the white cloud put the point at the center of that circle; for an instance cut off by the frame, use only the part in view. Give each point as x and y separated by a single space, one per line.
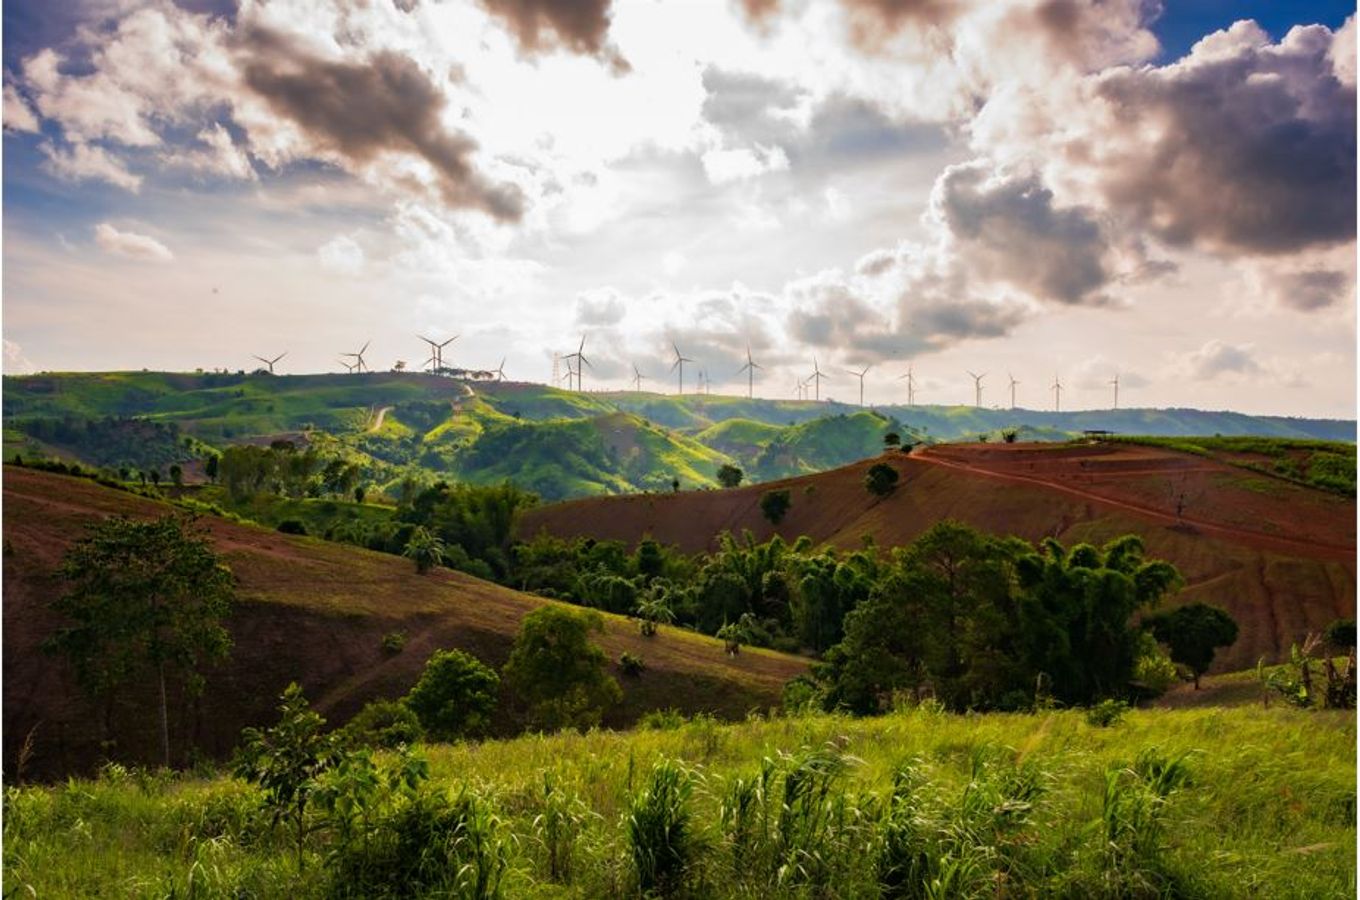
600 307
15 361
341 255
1217 358
18 115
130 244
724 166
87 161
218 155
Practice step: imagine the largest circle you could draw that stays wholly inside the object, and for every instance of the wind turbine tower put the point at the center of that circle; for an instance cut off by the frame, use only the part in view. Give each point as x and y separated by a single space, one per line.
1057 394
977 388
816 379
860 375
679 364
270 362
911 386
1013 384
1114 382
637 378
750 370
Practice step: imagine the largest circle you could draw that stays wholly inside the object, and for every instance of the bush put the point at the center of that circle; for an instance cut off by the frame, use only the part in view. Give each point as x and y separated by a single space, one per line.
1340 634
729 476
292 526
774 505
880 480
660 837
631 665
394 642
558 672
455 696
383 724
1106 713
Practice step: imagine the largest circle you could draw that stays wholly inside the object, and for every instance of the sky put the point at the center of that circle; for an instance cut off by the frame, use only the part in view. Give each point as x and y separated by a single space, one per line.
1032 190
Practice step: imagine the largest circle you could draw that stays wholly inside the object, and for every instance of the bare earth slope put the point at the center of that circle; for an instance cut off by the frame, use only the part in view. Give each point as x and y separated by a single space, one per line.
312 612
1279 557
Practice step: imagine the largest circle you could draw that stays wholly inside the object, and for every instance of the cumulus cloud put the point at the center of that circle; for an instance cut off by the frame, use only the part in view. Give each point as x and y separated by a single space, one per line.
80 162
17 114
600 307
581 26
1216 358
1308 289
723 166
362 110
1008 228
341 255
130 244
16 363
217 154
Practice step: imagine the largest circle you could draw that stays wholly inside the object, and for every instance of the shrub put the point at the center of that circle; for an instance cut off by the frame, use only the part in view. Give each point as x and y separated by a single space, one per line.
662 720
384 724
291 526
1340 634
774 505
729 476
880 480
892 439
455 696
1106 713
394 642
631 665
660 835
558 672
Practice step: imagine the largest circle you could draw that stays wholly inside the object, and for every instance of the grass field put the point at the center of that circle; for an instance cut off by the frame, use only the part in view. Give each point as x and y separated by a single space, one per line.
1205 803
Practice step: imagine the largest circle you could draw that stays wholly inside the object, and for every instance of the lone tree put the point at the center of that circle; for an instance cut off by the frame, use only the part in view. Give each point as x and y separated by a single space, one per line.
774 505
881 479
145 597
455 696
892 439
729 476
557 670
426 550
1193 632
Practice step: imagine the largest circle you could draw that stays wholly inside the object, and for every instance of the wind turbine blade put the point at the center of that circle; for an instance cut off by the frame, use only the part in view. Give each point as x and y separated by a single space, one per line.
363 348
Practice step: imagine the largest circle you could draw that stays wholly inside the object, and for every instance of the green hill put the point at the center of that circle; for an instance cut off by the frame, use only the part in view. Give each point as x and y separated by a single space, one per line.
399 425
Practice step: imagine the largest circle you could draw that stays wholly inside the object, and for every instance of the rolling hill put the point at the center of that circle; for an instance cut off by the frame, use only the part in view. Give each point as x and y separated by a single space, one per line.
1277 555
560 444
312 612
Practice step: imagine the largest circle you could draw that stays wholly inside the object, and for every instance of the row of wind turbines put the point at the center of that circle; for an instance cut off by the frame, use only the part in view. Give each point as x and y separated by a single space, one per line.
577 362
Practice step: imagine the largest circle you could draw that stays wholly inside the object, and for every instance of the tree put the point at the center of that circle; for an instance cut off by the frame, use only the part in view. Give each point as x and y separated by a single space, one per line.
209 468
360 492
559 673
144 596
675 485
424 548
881 479
892 439
1340 634
654 610
455 696
774 505
729 476
287 761
1193 632
177 475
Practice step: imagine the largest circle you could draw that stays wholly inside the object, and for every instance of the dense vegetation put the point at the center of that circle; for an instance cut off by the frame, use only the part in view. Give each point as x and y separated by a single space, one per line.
1327 465
1196 804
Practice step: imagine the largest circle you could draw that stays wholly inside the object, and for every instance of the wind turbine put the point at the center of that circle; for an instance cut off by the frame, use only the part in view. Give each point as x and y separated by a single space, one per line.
437 350
911 386
270 362
679 363
860 375
1013 384
349 367
750 370
500 370
359 357
977 388
816 378
1057 394
637 378
580 358
1114 382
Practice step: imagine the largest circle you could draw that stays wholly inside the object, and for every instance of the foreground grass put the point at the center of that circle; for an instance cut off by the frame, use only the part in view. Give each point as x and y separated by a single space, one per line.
1185 803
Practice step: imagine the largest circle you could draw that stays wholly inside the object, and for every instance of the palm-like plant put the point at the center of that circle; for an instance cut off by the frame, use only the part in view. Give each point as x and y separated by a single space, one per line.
654 610
425 549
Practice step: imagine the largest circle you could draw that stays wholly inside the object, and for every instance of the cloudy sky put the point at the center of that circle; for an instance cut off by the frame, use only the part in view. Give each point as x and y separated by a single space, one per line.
1031 189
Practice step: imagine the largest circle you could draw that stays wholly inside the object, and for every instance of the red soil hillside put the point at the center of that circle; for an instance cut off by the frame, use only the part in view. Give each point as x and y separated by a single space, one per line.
312 612
1279 557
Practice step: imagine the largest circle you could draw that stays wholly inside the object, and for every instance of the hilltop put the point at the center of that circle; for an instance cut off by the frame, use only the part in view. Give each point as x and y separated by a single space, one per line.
1278 555
563 443
313 612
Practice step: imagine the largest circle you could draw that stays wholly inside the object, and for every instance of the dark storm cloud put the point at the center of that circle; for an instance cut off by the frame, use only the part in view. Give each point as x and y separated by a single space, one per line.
1008 229
1253 147
1308 290
581 26
361 110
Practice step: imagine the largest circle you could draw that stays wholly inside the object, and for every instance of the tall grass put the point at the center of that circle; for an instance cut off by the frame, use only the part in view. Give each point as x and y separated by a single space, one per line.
916 804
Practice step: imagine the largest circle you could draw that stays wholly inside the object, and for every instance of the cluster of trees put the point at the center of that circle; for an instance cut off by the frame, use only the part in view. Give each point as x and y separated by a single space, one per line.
246 470
112 441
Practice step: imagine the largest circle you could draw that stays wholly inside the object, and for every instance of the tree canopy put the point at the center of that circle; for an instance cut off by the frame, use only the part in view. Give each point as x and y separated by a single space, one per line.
558 672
